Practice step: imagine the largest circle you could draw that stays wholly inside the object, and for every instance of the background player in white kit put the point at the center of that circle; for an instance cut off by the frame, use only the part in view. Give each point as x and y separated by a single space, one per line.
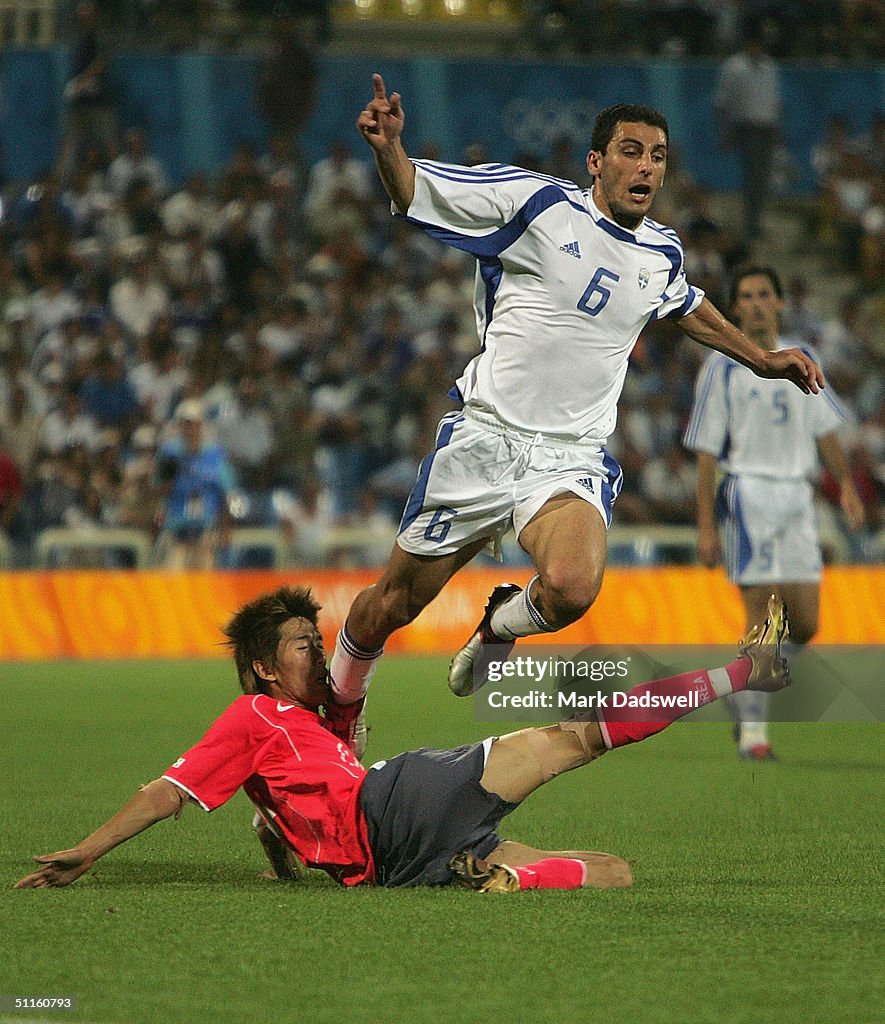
566 280
765 438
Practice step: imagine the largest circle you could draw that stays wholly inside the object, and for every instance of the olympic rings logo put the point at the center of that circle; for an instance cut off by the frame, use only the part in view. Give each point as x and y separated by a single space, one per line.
531 122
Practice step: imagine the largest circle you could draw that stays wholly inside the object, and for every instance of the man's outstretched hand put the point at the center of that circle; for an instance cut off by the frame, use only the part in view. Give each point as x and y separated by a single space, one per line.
794 365
57 869
382 120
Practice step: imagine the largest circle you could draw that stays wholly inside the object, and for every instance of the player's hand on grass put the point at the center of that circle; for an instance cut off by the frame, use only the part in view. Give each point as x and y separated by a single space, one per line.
57 869
794 365
381 123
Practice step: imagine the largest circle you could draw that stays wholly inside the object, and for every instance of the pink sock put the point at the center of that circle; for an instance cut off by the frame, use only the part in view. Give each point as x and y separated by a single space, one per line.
620 726
553 873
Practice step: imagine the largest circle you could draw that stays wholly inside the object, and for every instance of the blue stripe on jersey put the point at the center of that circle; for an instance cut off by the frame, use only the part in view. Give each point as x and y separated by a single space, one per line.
672 252
741 553
728 372
831 400
681 310
491 272
611 485
415 504
662 229
497 241
690 436
490 173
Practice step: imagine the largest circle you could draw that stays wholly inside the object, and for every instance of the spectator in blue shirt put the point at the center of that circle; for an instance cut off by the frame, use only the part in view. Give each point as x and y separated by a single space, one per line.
107 395
197 477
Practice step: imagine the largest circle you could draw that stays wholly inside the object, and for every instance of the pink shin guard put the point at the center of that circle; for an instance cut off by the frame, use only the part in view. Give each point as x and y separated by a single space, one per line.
552 873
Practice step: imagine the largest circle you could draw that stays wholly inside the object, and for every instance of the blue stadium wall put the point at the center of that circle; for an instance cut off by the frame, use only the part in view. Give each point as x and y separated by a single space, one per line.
196 107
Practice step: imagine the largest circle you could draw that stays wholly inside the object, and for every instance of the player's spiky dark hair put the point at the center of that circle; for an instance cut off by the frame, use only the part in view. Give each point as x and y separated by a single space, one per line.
253 634
607 121
750 270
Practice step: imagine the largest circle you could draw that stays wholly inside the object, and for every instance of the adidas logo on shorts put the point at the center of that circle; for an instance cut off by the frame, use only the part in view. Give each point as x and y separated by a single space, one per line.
587 481
571 249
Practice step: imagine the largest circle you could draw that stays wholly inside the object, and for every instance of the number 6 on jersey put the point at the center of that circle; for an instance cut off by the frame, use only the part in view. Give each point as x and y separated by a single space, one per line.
597 288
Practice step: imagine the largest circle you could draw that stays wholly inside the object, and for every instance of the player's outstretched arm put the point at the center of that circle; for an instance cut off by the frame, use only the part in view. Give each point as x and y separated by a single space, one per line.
152 803
709 327
381 124
833 456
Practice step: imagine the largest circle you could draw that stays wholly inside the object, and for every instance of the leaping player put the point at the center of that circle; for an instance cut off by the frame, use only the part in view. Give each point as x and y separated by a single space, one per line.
566 279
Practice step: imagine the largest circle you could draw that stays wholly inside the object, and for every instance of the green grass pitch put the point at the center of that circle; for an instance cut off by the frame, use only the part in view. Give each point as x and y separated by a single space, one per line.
758 891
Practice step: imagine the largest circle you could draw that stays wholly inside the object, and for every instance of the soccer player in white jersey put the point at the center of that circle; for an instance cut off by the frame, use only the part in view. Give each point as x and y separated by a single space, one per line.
765 438
566 279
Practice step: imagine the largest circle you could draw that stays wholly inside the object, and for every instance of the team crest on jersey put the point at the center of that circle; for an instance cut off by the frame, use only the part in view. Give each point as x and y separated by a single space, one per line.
644 278
587 481
571 249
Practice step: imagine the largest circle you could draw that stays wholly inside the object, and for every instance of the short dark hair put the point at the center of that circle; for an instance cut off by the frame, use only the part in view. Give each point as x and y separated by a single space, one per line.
608 120
253 634
750 270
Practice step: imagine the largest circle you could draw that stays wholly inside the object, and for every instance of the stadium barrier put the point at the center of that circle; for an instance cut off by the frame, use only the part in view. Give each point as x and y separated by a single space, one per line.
150 614
27 22
266 547
91 547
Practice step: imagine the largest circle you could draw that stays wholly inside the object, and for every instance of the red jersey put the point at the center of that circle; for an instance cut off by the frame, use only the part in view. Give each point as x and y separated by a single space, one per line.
305 780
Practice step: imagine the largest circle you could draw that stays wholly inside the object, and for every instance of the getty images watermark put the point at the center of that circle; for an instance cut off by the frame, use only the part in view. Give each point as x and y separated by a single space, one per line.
544 683
560 670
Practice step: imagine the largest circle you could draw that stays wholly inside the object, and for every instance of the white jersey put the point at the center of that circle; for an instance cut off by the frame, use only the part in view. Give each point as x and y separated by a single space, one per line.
562 293
759 427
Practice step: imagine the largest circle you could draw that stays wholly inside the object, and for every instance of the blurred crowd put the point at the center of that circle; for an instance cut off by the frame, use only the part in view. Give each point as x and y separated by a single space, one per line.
268 347
822 30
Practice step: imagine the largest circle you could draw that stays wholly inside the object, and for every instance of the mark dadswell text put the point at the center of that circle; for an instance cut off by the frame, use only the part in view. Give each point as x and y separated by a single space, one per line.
589 701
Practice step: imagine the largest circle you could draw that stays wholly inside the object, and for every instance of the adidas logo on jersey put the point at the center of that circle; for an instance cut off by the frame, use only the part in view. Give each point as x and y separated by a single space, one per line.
571 249
587 481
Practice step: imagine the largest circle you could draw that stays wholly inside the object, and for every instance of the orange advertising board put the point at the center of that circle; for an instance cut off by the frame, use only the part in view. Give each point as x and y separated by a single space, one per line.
70 614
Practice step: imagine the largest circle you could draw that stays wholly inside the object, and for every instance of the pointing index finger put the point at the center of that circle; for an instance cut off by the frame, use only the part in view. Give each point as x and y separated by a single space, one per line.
378 83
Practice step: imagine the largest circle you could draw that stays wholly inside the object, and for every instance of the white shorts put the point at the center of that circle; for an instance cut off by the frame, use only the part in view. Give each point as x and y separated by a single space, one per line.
769 531
484 478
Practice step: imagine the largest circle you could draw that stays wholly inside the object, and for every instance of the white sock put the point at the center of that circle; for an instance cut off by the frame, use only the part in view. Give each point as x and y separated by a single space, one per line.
518 616
751 710
750 707
352 668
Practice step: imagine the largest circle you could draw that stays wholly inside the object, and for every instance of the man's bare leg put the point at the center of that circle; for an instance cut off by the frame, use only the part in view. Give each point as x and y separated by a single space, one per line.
409 583
566 540
603 870
517 765
802 601
521 762
750 709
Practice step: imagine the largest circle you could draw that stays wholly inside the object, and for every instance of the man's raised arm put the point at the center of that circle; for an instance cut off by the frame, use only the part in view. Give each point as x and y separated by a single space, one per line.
709 327
152 803
381 124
